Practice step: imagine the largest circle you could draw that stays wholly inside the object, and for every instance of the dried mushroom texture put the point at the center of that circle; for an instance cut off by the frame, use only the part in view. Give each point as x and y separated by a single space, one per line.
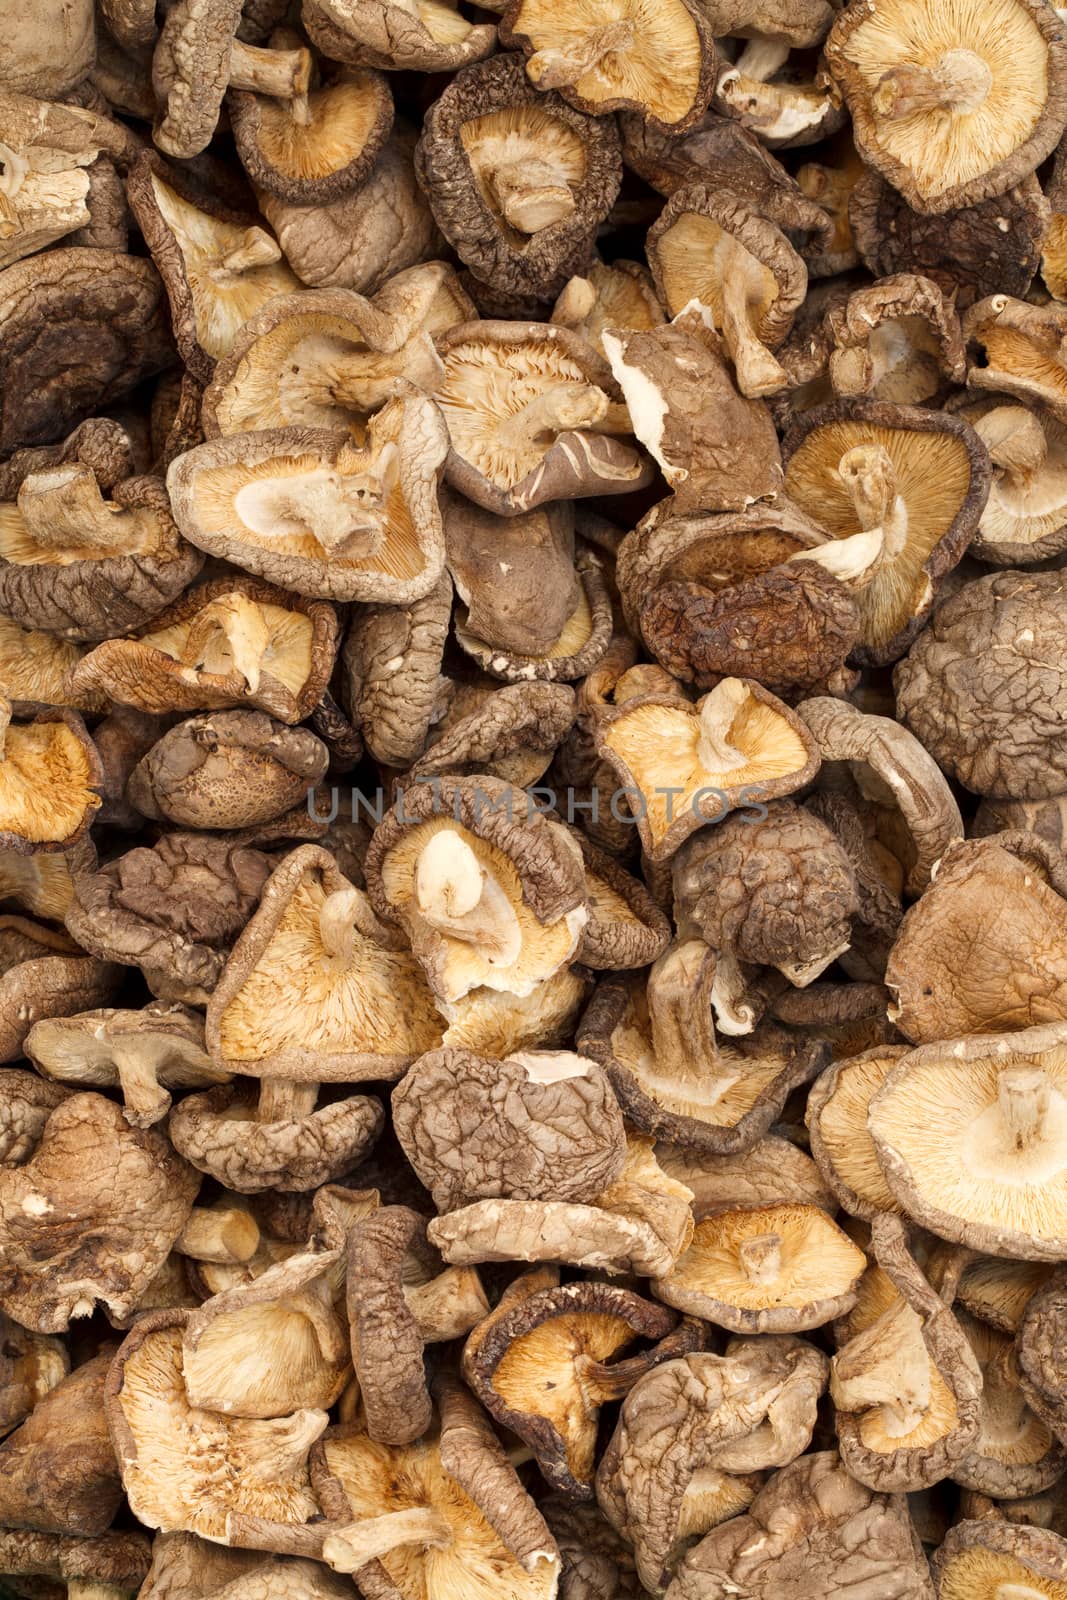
596 1563
55 1564
227 769
185 1567
49 772
441 1516
980 1560
626 928
541 1365
684 766
508 733
616 294
904 1382
31 1365
489 891
316 988
533 552
673 1075
982 686
719 250
44 974
317 146
232 642
1015 1452
783 101
830 186
810 1523
190 1470
517 180
1038 1349
899 340
998 1291
219 267
143 1053
402 35
1015 348
717 450
1025 519
900 490
582 642
36 666
58 1472
969 1134
692 1437
320 516
391 666
330 358
952 969
90 1217
836 1120
655 60
765 1269
496 1022
639 1225
541 1125
774 1169
534 415
950 104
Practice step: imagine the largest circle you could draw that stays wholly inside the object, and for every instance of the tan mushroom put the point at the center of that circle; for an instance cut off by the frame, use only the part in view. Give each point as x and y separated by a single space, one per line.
107 1567
184 1565
580 644
774 1169
412 35
1017 349
836 1119
534 552
998 1291
393 683
1015 1452
317 146
785 103
980 1560
1025 519
616 294
58 1472
508 733
899 340
49 770
44 974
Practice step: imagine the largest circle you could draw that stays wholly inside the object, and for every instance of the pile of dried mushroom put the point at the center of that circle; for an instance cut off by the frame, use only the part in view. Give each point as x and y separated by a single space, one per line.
533 800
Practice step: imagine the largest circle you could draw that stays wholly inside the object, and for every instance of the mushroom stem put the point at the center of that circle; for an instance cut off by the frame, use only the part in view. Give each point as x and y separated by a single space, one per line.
959 81
256 249
456 896
282 74
272 1449
531 194
734 1011
761 1257
684 1042
239 622
283 1100
226 1235
16 169
555 410
449 1305
718 713
349 1549
1016 441
1023 1096
603 1384
64 508
575 303
762 58
758 372
885 1366
801 973
337 927
144 1098
868 474
564 67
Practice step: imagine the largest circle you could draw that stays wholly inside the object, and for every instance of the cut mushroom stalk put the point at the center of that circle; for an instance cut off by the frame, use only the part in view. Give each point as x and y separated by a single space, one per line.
256 249
958 82
531 195
282 1100
758 372
680 987
564 407
64 509
349 1549
1023 1095
761 1258
714 750
456 896
562 68
886 1365
281 74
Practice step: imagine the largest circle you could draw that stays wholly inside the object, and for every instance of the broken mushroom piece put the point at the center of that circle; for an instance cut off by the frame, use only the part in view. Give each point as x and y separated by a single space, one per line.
49 772
533 412
1015 1453
785 103
682 766
540 1364
90 1217
656 60
518 182
990 1559
582 642
398 35
232 642
712 247
391 662
1025 519
310 511
508 733
836 1120
317 146
969 1134
765 1269
58 1472
44 974
107 1567
143 1053
950 104
1015 348
900 489
899 340
904 1382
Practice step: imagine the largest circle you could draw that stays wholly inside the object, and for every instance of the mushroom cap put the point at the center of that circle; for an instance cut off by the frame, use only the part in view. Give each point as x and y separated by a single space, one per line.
1025 519
44 974
30 1367
184 1565
391 660
937 474
58 1472
995 1175
432 37
951 105
582 641
1013 348
623 297
596 1563
836 1120
509 733
898 340
978 1559
998 1291
318 515
773 1170
626 928
983 685
324 158
52 756
534 552
1037 1351
114 1562
1015 1452
765 1269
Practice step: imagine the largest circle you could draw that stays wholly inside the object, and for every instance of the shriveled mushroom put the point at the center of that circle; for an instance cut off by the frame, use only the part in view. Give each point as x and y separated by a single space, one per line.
990 1559
58 1472
582 641
107 1567
413 35
1015 1452
1025 519
320 144
609 295
509 733
998 1291
185 1566
1015 348
31 1365
899 340
534 552
44 974
391 662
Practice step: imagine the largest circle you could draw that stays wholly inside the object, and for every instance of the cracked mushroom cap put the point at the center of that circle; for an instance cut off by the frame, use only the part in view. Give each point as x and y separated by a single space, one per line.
836 1120
79 328
656 60
219 267
683 766
986 1559
693 1436
187 1568
717 450
810 1525
330 358
517 180
582 642
49 775
44 974
195 1471
1025 519
1015 1452
313 512
227 769
773 1170
391 661
897 340
904 1382
490 892
316 988
900 490
1017 349
714 248
765 1269
143 1053
89 565
1038 1348
534 415
90 1217
639 1225
540 1125
541 1365
58 1472
508 733
626 928
398 35
673 1075
969 1134
515 575
110 1565
998 1291
616 294
952 104
232 642
951 969
318 146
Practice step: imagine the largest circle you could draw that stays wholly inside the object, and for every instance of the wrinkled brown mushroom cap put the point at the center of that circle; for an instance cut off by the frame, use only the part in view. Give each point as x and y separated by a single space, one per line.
1015 1451
580 644
899 340
509 733
980 1559
325 151
44 974
58 1472
111 1563
1037 1350
433 36
391 660
49 773
626 928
